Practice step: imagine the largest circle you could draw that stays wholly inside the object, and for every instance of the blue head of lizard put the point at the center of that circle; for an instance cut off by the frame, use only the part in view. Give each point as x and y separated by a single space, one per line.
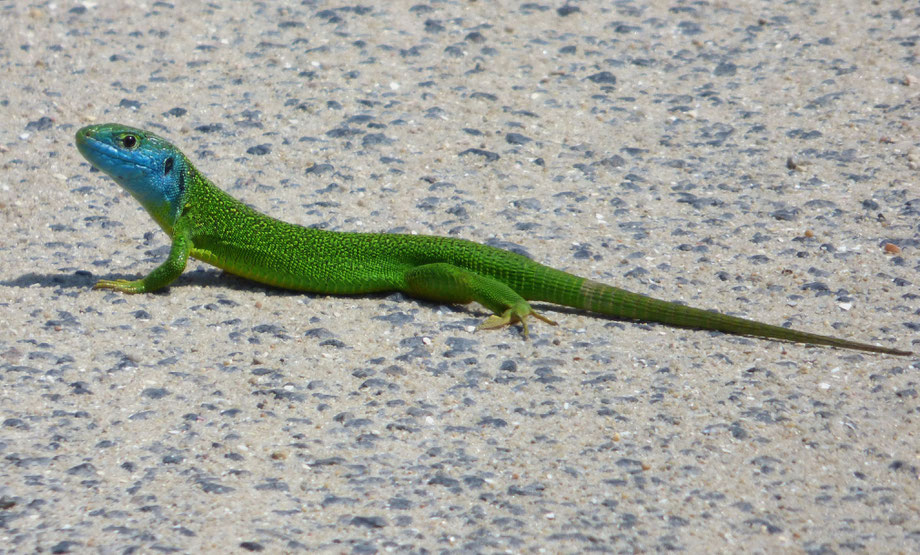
147 166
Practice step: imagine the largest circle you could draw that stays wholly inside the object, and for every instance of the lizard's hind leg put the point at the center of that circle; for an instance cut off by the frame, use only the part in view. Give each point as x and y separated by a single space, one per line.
445 282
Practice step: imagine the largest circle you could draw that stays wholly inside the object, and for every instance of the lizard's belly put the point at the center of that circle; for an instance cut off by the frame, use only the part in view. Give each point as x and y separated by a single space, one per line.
334 277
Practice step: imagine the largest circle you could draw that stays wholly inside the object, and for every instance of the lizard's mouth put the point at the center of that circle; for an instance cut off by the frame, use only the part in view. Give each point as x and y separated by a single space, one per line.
103 155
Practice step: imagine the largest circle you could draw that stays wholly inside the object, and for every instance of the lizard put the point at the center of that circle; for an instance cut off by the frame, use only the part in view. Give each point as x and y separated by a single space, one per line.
206 223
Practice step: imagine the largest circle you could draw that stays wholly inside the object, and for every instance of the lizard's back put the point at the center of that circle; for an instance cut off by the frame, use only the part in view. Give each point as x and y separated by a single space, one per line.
230 235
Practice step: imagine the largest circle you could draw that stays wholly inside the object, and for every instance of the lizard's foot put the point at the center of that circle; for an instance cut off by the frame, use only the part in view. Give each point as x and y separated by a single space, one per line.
511 316
120 285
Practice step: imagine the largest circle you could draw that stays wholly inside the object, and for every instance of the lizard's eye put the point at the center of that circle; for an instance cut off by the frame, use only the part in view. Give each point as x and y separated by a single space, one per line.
129 141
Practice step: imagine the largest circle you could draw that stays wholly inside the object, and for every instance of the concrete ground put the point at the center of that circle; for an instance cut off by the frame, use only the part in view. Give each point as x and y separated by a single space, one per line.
758 158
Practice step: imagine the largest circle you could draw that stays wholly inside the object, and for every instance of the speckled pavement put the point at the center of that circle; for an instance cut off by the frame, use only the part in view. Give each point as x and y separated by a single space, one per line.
759 158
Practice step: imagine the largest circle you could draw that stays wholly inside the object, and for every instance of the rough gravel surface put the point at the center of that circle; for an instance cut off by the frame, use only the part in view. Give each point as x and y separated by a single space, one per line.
759 158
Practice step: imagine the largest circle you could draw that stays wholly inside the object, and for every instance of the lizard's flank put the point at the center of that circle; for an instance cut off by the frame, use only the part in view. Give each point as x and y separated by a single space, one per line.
206 223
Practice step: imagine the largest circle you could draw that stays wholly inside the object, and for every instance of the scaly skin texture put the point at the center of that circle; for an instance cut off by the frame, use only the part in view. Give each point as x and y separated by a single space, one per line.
208 224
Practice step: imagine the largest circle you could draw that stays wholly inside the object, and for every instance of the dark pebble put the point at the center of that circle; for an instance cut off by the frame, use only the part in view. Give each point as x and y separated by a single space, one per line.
259 150
41 124
603 78
517 139
489 156
368 521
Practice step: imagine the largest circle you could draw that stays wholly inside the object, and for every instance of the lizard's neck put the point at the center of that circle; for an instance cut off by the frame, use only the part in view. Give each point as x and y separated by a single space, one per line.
165 200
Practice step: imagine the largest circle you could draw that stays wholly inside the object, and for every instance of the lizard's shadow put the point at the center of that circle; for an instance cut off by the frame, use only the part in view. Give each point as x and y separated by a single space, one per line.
208 278
84 279
204 278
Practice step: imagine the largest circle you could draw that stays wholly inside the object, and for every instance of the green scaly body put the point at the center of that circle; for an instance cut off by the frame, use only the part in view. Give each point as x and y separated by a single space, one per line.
206 223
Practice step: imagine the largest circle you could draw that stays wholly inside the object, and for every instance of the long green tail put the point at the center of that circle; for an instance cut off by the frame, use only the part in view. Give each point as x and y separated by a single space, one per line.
563 288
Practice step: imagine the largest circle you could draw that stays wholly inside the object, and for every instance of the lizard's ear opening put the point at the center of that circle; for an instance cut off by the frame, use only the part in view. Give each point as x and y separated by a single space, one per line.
168 166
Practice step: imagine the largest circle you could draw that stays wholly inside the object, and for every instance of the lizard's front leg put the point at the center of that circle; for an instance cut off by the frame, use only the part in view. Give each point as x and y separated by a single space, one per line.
161 276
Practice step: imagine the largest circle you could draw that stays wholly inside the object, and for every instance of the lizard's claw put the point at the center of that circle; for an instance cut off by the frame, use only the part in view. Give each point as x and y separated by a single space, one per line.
511 316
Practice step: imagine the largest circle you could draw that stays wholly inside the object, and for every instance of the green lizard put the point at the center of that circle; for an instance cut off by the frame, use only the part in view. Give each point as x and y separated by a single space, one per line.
206 223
